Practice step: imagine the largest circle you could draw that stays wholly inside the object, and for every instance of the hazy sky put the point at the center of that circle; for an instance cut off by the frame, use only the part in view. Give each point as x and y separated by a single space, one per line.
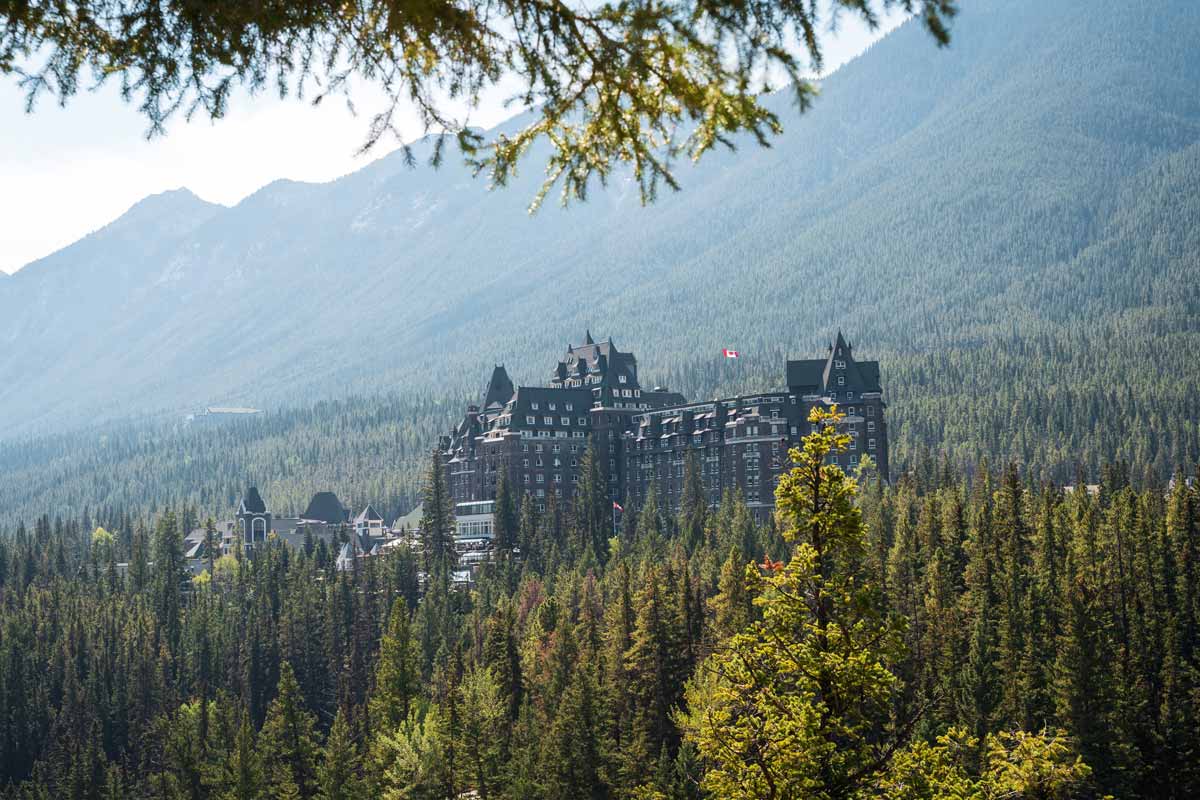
64 172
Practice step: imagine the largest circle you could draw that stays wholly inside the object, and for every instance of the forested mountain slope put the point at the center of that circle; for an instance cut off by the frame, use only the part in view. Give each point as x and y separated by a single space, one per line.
1010 226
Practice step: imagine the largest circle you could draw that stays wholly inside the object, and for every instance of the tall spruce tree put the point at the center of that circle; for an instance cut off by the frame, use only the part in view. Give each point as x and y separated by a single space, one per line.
437 519
288 741
798 705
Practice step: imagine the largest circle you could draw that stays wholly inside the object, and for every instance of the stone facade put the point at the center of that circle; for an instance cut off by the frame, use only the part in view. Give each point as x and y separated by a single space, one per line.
538 435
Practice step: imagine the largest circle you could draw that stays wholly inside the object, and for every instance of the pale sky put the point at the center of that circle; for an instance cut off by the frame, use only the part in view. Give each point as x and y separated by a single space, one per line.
65 172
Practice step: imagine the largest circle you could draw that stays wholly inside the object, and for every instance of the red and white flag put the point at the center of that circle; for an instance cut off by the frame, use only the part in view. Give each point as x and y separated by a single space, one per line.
617 507
729 353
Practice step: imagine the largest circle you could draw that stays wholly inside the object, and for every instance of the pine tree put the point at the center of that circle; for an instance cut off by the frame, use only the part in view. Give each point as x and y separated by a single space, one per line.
288 741
437 520
655 677
338 772
481 733
572 762
693 503
1013 584
168 578
731 606
797 705
506 523
591 508
397 674
501 655
242 774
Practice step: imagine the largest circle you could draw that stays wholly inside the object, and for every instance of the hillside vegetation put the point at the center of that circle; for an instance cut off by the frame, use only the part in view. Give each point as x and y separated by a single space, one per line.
1012 230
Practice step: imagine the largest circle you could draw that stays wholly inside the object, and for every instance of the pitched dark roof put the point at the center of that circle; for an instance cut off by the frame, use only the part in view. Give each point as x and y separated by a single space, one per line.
326 507
806 374
368 514
500 388
253 503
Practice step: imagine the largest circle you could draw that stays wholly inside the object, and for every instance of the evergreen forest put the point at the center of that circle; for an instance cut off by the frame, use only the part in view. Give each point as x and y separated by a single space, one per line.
938 636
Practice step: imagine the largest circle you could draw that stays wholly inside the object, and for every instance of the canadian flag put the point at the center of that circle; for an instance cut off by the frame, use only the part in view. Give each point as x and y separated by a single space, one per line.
617 507
730 353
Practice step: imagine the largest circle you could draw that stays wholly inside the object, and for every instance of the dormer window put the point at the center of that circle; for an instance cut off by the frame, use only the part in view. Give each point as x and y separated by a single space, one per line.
841 380
534 406
552 406
568 406
620 379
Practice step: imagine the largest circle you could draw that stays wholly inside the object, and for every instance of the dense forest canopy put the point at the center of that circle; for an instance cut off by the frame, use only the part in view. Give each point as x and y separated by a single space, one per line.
938 637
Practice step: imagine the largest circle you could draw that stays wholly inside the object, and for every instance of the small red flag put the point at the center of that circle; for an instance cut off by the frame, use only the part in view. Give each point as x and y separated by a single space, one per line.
729 353
617 506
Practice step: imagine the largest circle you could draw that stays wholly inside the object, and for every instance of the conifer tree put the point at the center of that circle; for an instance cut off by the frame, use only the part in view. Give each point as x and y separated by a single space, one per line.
242 775
481 733
288 742
501 655
591 508
573 762
437 520
693 503
798 704
168 578
338 772
655 680
1013 584
398 672
506 522
731 606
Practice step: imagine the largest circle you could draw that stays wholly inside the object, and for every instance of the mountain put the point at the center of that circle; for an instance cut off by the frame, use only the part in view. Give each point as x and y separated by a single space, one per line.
1010 225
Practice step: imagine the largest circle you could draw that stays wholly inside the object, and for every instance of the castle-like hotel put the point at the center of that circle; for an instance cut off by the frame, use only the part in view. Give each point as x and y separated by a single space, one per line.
537 436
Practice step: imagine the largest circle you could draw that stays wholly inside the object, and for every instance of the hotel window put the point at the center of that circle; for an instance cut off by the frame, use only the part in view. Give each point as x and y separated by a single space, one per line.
525 462
841 380
526 477
854 443
583 421
870 411
537 448
849 395
524 447
556 449
870 444
541 478
839 364
566 420
557 478
871 427
548 420
530 420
